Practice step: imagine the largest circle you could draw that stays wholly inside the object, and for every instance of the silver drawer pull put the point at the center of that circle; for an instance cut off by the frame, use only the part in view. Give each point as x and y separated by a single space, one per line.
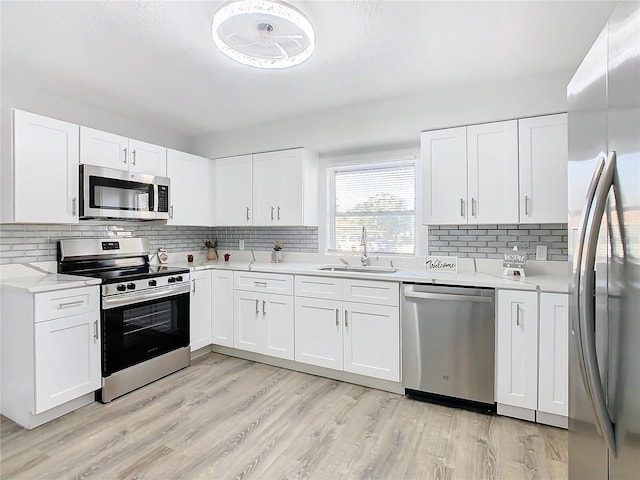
259 284
70 304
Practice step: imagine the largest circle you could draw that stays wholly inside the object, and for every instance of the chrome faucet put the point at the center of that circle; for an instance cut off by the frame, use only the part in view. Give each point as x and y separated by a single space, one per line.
364 260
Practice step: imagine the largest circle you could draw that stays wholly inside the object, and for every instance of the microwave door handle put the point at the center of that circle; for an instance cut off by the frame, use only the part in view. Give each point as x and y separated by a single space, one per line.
152 192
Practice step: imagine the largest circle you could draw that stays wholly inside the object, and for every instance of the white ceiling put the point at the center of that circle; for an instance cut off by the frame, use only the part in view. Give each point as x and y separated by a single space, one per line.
156 61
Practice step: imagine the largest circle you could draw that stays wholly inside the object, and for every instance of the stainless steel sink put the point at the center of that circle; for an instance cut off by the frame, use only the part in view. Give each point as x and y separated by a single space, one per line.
356 269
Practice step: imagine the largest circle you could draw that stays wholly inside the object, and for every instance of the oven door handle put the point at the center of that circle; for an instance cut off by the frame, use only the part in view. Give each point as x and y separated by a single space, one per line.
137 297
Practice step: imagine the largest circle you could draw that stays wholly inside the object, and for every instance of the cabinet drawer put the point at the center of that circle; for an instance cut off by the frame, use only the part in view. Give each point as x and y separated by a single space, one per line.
318 287
263 282
371 291
64 303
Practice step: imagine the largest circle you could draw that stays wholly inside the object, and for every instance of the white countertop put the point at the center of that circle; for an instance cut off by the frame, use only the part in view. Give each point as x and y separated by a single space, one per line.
35 279
544 278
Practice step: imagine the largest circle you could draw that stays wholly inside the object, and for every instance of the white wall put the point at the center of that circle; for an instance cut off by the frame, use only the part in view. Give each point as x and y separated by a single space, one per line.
394 123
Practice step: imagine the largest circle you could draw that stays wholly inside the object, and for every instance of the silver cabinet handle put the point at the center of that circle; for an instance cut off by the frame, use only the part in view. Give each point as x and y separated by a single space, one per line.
518 314
193 282
73 206
582 307
473 207
125 155
259 284
95 330
171 211
70 304
257 306
526 205
337 317
264 307
278 213
247 214
346 319
462 207
272 213
133 159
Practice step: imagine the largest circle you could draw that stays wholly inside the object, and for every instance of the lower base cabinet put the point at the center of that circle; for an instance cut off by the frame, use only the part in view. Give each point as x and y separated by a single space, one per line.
200 309
222 307
361 338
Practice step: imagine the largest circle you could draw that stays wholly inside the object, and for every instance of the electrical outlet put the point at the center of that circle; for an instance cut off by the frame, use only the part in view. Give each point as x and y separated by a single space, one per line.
240 245
541 252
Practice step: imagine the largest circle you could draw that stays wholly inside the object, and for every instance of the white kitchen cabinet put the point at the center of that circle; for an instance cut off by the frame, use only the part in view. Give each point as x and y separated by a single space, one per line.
109 150
372 340
200 310
517 353
492 174
42 184
273 188
191 201
50 353
318 332
470 174
263 321
234 191
553 386
358 335
543 158
222 307
444 176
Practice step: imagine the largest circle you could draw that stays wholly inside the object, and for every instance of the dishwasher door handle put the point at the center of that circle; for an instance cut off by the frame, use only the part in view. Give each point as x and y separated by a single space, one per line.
448 297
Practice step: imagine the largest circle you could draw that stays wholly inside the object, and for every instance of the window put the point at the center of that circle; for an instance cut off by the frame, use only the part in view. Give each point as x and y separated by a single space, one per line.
379 196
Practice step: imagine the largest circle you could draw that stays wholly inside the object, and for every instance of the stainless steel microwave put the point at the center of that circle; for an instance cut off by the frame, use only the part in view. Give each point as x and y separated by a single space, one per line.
110 193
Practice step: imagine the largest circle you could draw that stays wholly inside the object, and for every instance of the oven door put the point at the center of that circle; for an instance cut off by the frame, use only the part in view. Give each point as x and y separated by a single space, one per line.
136 330
110 193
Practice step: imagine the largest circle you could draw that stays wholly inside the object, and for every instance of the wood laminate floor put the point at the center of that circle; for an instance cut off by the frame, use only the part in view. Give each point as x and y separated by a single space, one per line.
228 418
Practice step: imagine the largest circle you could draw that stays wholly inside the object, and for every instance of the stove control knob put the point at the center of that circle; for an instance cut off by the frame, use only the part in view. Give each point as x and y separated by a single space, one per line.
131 286
152 283
179 278
121 288
171 280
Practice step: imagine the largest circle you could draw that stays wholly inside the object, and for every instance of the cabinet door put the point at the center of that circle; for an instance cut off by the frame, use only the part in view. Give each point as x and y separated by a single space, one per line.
543 169
553 383
104 149
200 309
277 314
222 307
45 162
278 179
372 340
233 191
67 359
318 332
443 154
248 322
190 192
492 158
147 158
517 349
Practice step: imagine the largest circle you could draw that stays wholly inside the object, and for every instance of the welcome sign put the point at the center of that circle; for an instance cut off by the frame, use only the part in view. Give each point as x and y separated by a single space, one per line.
435 263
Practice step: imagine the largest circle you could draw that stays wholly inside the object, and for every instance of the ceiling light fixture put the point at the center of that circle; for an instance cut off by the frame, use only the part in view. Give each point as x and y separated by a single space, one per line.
263 33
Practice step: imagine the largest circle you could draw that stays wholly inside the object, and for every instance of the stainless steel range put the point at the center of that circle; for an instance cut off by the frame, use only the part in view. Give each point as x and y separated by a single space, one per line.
144 310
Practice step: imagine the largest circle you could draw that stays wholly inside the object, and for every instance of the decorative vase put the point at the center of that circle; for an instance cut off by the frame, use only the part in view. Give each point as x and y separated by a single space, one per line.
276 256
212 254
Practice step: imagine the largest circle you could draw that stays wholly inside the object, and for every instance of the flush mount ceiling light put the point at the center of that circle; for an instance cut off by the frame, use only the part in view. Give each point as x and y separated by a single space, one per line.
263 33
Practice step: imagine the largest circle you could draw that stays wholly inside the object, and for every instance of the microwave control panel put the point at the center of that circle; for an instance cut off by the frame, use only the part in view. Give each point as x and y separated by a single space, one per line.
163 198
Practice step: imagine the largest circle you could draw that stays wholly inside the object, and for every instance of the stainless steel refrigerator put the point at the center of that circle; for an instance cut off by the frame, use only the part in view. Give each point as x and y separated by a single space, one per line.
604 232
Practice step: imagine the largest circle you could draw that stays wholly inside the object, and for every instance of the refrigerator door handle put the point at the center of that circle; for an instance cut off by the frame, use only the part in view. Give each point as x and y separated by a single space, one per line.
584 283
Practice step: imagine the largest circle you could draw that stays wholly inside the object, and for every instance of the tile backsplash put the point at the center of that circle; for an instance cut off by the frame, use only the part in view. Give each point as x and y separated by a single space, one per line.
22 243
492 241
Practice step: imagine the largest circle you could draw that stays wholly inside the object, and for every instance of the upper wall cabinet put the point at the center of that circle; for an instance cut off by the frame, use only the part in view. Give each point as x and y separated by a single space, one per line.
114 151
45 171
274 188
543 169
191 196
470 174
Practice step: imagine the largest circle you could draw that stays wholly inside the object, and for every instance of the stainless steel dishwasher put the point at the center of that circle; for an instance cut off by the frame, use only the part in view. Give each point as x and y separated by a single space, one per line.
448 344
